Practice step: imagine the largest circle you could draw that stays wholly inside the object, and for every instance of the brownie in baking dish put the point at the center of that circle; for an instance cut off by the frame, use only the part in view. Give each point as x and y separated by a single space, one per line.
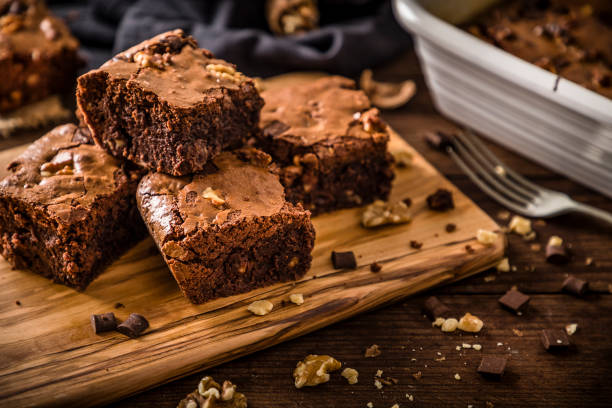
571 38
67 209
168 105
38 55
229 229
330 143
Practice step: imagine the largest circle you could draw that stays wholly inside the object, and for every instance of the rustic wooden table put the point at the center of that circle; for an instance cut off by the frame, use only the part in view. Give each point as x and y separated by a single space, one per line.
408 342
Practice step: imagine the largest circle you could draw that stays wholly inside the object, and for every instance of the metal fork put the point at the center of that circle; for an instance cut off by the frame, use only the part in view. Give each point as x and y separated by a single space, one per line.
509 188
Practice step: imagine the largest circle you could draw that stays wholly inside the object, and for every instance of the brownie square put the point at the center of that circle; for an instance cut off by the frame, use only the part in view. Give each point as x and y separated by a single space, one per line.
68 209
38 55
168 106
330 143
227 230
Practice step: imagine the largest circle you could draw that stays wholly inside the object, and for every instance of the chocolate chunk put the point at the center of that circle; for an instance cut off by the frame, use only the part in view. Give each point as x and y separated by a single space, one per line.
575 286
416 244
133 326
407 201
438 140
514 300
492 366
344 260
554 339
450 227
375 267
433 308
557 254
103 322
441 200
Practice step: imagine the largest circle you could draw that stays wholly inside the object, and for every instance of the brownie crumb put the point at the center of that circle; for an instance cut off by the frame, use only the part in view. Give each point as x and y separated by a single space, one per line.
450 227
416 244
441 200
469 249
375 267
119 305
407 201
18 303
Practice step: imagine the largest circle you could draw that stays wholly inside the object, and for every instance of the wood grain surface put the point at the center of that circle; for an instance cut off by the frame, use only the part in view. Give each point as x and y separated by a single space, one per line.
49 355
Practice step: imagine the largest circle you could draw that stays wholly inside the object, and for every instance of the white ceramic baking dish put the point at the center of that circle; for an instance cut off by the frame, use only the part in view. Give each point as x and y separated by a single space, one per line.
507 99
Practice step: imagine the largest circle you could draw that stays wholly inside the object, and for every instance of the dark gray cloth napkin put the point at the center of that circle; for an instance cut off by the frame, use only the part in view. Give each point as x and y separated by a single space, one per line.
354 34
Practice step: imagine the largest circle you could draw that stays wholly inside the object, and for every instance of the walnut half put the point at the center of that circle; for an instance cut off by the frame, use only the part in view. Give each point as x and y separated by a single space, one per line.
212 395
314 370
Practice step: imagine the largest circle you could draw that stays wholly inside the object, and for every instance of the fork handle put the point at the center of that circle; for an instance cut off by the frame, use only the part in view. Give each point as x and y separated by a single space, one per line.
594 212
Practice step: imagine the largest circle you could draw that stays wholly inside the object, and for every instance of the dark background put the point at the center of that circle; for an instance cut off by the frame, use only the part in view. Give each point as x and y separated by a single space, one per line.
354 34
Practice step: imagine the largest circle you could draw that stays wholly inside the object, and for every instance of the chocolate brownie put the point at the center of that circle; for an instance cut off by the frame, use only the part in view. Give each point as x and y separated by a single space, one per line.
38 55
167 105
68 209
572 38
330 143
229 229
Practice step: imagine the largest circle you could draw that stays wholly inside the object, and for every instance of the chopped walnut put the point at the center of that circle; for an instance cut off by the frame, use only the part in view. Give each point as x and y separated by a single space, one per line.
477 347
457 377
296 298
470 323
386 95
517 332
57 168
555 241
148 60
213 196
503 265
382 213
211 395
314 370
260 307
372 123
403 158
351 375
520 225
372 351
378 384
449 325
571 328
438 322
486 237
225 72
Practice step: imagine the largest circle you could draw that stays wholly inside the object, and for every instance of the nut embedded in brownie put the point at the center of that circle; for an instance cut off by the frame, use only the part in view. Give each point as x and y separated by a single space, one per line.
38 55
68 209
330 143
167 105
228 229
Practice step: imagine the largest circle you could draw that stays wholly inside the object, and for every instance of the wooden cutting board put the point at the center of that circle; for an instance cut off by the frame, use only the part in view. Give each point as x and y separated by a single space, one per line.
49 355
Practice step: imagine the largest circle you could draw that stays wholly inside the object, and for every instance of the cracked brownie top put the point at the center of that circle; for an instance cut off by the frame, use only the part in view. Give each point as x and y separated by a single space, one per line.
171 66
322 111
64 174
235 185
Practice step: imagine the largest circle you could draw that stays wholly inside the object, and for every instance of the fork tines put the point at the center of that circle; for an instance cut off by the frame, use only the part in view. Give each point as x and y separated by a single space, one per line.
490 174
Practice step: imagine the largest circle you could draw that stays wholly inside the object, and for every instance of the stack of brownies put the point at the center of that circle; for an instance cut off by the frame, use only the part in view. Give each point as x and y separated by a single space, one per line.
172 136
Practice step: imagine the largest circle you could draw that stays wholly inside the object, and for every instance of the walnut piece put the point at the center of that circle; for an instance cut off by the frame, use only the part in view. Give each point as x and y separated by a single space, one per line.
222 71
314 370
555 241
351 375
211 395
372 351
386 95
296 298
213 196
403 158
470 323
57 168
520 225
503 265
449 325
382 213
148 60
260 307
486 237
